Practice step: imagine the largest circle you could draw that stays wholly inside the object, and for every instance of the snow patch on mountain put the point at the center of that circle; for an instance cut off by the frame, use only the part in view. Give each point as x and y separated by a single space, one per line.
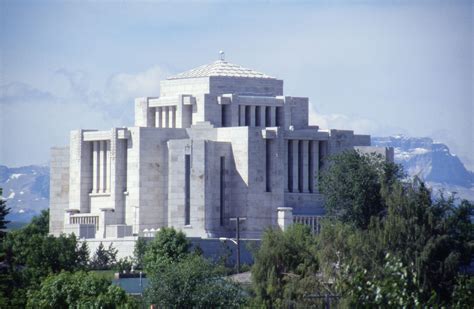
26 190
432 162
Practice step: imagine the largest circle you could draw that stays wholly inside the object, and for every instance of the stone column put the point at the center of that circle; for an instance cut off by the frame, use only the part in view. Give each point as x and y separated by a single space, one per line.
173 116
252 116
100 187
305 169
167 116
242 115
272 116
107 166
95 167
294 151
314 166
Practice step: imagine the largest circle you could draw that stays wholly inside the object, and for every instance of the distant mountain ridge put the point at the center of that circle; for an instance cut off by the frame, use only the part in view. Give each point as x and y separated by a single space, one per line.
432 162
27 188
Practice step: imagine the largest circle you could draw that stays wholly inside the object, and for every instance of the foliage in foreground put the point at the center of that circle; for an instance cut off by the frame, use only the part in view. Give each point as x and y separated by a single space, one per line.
30 255
78 290
353 186
4 211
179 278
387 244
192 282
410 253
285 267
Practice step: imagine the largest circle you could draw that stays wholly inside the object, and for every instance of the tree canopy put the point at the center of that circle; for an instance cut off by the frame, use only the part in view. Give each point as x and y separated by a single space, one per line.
180 278
78 290
399 247
31 255
353 186
4 211
168 245
282 257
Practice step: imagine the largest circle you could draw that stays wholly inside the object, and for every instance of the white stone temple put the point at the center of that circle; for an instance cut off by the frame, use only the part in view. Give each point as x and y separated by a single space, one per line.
221 141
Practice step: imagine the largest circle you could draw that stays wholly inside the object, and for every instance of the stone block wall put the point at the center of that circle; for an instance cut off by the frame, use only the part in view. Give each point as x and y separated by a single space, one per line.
59 189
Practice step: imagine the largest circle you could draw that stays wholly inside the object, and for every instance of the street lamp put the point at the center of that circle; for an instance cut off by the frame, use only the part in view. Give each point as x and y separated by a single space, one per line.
237 238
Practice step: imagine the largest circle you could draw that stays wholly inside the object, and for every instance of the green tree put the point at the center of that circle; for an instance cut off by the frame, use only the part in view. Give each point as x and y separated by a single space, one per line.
192 282
353 186
5 277
40 223
4 211
463 292
430 240
285 266
436 236
168 245
139 252
30 255
78 290
104 258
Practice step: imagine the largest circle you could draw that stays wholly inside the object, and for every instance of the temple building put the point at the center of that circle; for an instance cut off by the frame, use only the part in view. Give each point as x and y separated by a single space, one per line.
220 142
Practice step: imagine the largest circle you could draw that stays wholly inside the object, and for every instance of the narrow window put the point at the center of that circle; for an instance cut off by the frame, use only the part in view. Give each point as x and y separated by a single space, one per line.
268 165
247 115
257 116
240 116
222 192
278 115
322 153
300 166
225 115
290 165
187 189
268 116
311 166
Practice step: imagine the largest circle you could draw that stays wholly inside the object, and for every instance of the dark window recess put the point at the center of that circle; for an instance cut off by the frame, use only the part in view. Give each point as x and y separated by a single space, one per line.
257 116
222 192
290 165
268 116
247 115
300 166
268 166
187 190
278 117
225 115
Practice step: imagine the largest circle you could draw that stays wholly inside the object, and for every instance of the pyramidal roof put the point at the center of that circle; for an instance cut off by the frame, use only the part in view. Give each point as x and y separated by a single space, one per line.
220 68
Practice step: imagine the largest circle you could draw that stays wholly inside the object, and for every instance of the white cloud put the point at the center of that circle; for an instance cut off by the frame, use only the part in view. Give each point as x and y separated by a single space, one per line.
20 92
343 122
125 86
38 127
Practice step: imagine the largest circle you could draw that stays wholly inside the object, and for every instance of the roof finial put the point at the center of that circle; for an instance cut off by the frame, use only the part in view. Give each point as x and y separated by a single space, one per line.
221 55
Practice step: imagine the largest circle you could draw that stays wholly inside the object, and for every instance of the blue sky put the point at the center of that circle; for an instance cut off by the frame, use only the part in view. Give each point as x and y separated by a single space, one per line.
378 67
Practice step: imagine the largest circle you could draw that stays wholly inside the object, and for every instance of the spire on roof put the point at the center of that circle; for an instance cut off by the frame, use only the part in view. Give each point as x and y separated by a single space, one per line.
222 55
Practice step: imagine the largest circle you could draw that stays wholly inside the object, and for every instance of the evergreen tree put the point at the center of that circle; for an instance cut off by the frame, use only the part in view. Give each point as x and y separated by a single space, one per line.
4 211
139 252
104 258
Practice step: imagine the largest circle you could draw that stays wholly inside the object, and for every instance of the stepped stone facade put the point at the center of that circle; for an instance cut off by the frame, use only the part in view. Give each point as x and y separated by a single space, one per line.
220 142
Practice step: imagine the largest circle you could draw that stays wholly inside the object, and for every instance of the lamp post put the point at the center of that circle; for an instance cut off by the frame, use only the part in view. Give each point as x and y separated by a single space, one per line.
237 238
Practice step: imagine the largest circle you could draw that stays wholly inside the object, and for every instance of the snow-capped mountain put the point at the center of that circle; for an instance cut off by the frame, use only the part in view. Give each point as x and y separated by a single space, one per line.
26 190
432 162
